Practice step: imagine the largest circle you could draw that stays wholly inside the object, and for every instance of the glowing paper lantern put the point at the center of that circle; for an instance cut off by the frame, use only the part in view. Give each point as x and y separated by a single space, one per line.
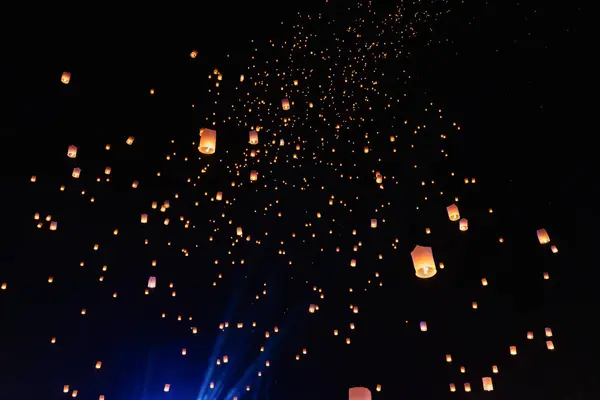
144 218
208 141
253 137
219 196
423 326
65 77
76 173
130 140
253 176
359 393
285 104
543 236
373 223
488 385
72 151
463 225
423 261
239 231
152 282
453 212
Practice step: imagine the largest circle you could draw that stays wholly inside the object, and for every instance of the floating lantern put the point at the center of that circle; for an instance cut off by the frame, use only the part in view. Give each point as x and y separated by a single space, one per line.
76 173
72 151
219 196
130 140
542 236
65 77
253 137
144 218
373 223
513 350
285 104
423 261
463 225
359 393
423 326
488 385
239 231
253 176
152 282
208 141
453 212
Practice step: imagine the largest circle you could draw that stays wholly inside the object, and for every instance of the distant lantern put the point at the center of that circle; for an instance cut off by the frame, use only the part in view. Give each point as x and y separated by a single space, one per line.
453 212
295 82
366 149
310 105
378 388
53 225
135 184
193 54
98 364
423 261
549 345
107 170
448 358
530 335
359 393
285 104
554 249
452 387
373 223
208 141
241 78
423 326
152 282
253 137
464 225
467 387
130 140
219 196
513 350
167 387
72 151
548 332
253 176
542 236
65 77
495 369
239 231
488 385
76 173
353 263
144 218
312 308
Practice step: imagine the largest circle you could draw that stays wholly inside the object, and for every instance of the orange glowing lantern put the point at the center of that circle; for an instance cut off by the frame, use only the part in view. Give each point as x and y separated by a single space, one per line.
152 282
208 141
76 173
65 77
488 385
423 261
72 151
285 104
253 137
543 236
463 225
453 212
359 393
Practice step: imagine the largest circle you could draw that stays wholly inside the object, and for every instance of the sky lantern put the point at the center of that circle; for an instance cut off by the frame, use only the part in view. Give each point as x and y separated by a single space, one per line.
548 332
152 282
453 212
107 170
72 151
65 77
219 196
253 139
285 104
253 176
423 262
543 236
76 173
208 141
144 218
373 222
167 387
549 345
488 385
513 350
463 225
554 249
452 387
359 393
423 326
239 231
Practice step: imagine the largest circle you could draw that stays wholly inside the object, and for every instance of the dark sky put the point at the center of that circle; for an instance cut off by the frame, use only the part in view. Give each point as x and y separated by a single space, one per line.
515 77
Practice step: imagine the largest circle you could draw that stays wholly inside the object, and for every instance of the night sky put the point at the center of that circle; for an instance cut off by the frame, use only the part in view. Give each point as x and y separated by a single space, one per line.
299 285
